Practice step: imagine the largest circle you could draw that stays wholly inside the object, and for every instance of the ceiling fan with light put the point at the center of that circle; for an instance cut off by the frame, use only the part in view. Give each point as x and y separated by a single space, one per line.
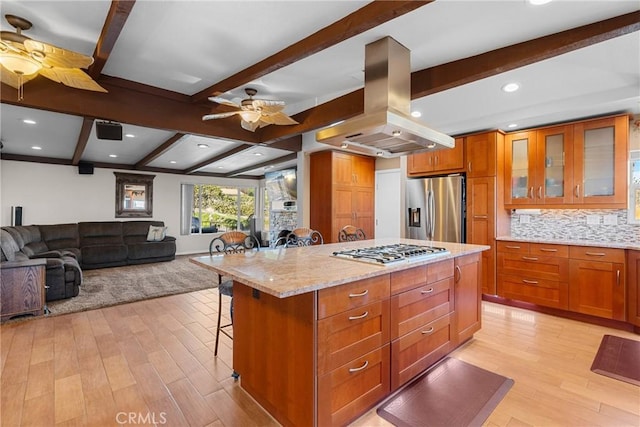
254 113
22 59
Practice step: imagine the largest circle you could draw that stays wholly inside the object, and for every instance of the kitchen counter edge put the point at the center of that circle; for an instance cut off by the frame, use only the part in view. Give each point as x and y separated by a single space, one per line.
573 242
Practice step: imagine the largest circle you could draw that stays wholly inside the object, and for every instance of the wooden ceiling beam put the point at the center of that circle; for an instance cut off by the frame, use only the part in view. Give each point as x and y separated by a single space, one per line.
113 25
369 16
83 138
163 148
456 73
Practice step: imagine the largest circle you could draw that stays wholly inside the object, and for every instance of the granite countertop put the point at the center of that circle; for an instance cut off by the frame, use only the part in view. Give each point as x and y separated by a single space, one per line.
284 272
574 242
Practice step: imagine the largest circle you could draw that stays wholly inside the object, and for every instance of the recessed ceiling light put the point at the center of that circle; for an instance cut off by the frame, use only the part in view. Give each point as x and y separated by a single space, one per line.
203 146
344 145
173 162
539 2
416 114
432 145
396 133
379 154
29 121
129 135
220 167
35 147
257 154
511 87
113 155
512 125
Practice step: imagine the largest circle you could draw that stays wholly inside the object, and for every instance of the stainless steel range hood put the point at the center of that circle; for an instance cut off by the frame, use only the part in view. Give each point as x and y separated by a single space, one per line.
386 128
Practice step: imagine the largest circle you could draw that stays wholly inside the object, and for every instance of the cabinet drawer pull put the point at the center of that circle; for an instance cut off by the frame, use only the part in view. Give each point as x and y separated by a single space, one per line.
428 291
428 331
540 192
530 282
459 275
529 258
548 250
618 277
362 316
480 216
577 192
469 167
364 365
531 195
595 253
512 247
361 294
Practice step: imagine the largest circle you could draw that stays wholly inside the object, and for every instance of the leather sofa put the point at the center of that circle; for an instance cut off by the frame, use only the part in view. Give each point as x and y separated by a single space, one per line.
70 248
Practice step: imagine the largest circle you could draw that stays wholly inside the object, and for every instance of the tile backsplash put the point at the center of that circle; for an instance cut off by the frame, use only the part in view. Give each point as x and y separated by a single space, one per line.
576 224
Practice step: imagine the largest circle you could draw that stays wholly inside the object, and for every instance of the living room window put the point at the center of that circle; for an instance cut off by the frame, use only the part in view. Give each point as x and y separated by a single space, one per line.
210 208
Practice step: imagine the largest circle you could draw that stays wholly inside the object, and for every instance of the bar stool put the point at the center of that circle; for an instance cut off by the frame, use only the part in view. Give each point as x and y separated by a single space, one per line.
232 242
351 233
303 236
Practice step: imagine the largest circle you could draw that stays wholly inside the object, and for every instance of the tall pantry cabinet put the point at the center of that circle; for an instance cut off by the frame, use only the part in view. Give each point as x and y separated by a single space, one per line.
342 188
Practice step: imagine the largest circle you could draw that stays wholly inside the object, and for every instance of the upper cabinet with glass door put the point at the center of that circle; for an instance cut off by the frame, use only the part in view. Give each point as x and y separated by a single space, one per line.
583 163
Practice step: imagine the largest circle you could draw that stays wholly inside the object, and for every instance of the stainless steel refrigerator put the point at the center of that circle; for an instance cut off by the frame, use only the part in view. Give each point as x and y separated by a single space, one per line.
435 208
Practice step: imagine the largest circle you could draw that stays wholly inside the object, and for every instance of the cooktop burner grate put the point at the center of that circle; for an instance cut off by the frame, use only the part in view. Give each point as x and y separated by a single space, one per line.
389 254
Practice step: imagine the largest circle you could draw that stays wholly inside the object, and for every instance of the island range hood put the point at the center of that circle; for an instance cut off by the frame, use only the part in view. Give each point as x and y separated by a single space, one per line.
386 128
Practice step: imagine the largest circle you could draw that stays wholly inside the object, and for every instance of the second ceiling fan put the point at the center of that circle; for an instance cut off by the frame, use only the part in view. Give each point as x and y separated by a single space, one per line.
254 113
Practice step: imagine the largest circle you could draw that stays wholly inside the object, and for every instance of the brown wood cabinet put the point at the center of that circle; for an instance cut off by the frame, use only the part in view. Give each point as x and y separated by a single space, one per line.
633 287
442 160
22 288
597 281
421 319
468 309
534 272
481 150
580 164
341 193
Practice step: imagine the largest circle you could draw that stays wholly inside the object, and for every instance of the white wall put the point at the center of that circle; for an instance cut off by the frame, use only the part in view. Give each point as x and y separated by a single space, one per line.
56 194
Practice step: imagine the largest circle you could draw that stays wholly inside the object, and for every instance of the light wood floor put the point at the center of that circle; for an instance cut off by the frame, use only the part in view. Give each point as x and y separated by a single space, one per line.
153 360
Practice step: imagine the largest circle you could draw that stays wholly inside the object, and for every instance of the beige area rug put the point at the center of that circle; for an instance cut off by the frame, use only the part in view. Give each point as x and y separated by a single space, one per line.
117 285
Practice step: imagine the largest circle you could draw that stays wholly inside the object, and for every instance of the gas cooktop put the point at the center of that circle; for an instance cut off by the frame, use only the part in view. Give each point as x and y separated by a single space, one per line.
390 254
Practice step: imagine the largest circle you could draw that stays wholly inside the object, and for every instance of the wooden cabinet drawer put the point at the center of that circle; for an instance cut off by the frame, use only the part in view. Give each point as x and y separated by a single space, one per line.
350 334
513 247
534 266
408 279
544 292
419 306
348 391
597 254
545 249
341 298
416 351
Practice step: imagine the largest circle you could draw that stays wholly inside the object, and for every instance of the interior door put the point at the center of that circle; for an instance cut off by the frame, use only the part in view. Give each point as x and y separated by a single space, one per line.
388 208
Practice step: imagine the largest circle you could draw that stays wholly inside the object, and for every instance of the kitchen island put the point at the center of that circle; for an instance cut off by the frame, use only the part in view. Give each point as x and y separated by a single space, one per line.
319 340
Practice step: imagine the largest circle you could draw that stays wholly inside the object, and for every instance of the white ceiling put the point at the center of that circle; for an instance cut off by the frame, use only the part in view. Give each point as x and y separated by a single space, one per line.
187 46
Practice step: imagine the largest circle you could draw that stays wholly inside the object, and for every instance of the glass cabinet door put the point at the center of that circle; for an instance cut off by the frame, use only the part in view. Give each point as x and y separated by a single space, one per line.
520 156
600 152
554 160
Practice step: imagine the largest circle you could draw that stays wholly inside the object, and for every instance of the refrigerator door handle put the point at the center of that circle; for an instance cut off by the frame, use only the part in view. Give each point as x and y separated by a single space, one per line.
431 223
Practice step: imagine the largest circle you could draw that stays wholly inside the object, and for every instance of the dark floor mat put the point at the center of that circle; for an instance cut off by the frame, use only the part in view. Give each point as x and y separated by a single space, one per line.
618 358
452 393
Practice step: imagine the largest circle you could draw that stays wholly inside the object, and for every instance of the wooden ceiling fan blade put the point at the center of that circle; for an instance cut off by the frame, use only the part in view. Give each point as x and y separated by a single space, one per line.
271 109
223 101
219 115
72 77
54 56
12 79
262 103
282 119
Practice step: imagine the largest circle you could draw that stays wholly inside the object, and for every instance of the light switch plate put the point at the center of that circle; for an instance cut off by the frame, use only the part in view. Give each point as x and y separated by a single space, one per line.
593 219
611 219
525 219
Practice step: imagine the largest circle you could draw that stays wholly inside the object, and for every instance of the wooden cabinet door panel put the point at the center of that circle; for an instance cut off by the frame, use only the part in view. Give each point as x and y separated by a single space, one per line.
481 154
597 288
543 292
554 165
633 287
343 173
364 171
346 392
481 225
349 335
419 306
419 163
450 158
416 351
467 296
22 288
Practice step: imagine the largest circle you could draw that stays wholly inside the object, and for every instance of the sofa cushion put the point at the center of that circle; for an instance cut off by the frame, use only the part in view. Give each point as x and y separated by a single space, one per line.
60 236
8 245
100 233
104 254
132 229
30 238
144 250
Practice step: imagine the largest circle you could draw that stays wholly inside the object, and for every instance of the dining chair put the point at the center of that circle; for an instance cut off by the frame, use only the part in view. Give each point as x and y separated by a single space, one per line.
303 236
351 233
232 242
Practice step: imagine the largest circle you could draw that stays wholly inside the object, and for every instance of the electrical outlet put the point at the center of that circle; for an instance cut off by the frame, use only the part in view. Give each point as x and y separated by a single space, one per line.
611 219
593 219
525 219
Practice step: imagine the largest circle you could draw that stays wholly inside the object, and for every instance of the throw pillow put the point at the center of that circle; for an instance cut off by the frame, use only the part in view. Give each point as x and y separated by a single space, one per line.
156 234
